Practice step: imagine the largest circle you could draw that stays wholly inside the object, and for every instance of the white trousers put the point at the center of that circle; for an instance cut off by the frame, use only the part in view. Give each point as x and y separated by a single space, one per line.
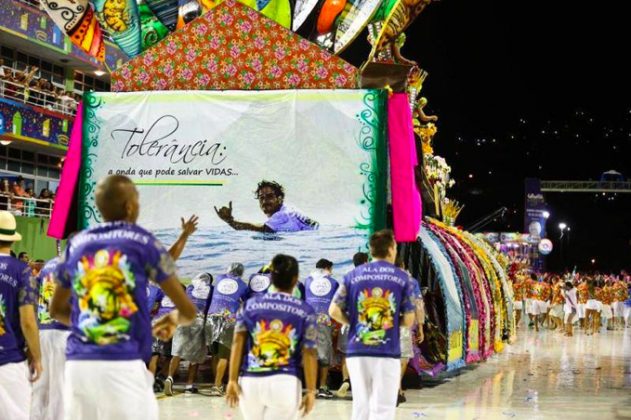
618 309
275 397
109 390
48 400
15 391
375 382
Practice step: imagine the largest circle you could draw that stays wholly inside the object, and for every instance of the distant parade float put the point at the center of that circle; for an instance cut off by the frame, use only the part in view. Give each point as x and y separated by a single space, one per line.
221 96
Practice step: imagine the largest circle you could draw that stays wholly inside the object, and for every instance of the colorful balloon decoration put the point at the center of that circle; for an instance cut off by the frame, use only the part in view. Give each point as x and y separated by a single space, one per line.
77 20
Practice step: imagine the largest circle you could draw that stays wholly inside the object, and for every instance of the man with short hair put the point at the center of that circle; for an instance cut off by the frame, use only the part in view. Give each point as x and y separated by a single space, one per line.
360 258
320 288
228 295
23 256
102 294
375 299
18 328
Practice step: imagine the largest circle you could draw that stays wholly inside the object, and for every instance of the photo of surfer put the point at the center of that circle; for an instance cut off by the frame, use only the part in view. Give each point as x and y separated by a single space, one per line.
281 217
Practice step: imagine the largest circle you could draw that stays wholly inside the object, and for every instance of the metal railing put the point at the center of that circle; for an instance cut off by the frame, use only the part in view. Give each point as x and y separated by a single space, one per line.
37 97
622 187
26 206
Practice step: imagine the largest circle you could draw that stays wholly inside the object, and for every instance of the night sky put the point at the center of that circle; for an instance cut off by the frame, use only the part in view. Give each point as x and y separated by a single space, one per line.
532 89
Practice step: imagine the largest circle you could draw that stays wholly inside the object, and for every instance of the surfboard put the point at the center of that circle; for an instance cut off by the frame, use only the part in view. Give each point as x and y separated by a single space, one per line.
302 10
187 11
352 23
166 11
151 29
121 20
76 19
397 20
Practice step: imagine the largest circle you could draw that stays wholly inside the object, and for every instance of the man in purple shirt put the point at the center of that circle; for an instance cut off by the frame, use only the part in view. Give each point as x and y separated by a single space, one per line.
102 295
274 337
281 217
229 293
18 327
47 399
375 299
320 288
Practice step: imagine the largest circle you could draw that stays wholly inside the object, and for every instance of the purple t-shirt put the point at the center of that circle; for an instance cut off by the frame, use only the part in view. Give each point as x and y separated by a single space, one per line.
258 284
319 290
166 306
287 219
46 284
108 268
229 292
198 294
278 326
154 298
374 296
17 288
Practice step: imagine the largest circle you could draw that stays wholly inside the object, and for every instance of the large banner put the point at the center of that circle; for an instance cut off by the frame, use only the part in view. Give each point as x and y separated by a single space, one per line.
295 172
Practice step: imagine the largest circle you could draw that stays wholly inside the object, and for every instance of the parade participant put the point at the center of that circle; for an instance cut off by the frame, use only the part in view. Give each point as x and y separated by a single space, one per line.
375 299
320 288
620 295
360 258
274 336
529 292
570 307
188 341
582 296
627 304
538 306
407 334
557 300
606 297
47 403
18 327
518 294
592 308
161 305
102 294
228 295
546 298
281 217
259 282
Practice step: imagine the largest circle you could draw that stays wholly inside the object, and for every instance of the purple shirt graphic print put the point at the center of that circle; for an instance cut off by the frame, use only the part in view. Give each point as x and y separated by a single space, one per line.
278 327
229 292
288 219
374 296
17 288
108 267
46 283
319 290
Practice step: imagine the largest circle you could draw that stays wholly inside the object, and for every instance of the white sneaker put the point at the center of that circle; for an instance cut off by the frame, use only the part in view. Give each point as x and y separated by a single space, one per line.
168 386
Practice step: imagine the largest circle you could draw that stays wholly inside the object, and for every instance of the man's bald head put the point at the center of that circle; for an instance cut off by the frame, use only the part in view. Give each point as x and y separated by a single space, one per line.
117 199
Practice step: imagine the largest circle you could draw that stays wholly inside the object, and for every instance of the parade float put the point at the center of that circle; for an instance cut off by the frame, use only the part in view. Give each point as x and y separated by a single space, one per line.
220 100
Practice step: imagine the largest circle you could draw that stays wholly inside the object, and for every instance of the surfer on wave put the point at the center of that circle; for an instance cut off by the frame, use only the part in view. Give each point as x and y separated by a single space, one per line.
281 217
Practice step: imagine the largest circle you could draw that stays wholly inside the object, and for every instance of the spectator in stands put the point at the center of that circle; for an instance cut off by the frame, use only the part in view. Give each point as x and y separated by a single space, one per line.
18 191
5 192
44 206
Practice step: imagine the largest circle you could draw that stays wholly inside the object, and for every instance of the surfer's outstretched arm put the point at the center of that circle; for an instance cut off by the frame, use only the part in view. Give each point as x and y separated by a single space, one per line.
225 214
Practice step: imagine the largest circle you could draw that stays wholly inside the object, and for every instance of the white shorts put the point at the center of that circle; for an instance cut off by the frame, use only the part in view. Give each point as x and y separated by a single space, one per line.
594 305
407 345
606 312
537 307
557 310
627 312
15 391
109 390
518 305
271 397
580 310
618 309
48 400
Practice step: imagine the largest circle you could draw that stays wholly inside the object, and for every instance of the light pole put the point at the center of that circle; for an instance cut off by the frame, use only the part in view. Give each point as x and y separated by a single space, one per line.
563 227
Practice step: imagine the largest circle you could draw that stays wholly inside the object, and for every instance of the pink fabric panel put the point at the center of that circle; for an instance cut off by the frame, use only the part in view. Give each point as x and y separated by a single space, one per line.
406 200
69 179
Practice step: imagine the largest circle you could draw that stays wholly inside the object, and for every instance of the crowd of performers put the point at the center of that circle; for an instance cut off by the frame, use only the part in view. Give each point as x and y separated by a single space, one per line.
592 302
85 337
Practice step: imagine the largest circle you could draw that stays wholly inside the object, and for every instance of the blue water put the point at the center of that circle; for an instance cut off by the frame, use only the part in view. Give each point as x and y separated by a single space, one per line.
213 249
